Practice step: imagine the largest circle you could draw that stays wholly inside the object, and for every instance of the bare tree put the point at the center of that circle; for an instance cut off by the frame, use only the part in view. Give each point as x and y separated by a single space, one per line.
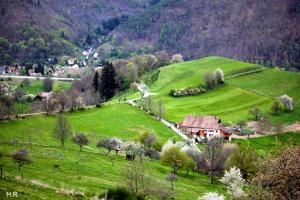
19 95
80 139
163 191
149 104
48 104
134 174
74 96
162 58
172 178
160 110
21 158
213 153
62 129
198 158
111 144
48 84
62 99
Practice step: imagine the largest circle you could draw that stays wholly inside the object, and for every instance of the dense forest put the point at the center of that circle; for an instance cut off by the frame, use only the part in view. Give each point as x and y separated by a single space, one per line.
265 32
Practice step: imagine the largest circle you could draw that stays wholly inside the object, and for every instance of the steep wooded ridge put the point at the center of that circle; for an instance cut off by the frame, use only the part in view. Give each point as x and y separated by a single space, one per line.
37 29
77 16
266 32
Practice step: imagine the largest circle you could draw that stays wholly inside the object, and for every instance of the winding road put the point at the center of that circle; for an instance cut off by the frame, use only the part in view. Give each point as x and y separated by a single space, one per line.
145 93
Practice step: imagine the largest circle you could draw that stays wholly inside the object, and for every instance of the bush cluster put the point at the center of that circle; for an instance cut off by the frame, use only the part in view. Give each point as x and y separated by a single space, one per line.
190 91
150 78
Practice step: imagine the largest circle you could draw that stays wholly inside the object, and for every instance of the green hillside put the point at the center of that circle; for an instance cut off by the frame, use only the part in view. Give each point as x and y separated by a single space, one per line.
248 85
89 171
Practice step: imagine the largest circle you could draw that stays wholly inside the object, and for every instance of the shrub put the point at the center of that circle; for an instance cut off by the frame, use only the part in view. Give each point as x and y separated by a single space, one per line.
121 194
246 160
152 153
287 102
151 77
157 146
277 107
176 158
212 196
98 105
177 58
190 91
111 144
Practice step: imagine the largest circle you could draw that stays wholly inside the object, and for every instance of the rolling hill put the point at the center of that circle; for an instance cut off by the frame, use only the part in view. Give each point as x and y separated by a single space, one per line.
246 85
90 171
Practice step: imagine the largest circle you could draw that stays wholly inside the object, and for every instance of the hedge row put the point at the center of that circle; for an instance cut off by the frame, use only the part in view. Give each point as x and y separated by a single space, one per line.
190 91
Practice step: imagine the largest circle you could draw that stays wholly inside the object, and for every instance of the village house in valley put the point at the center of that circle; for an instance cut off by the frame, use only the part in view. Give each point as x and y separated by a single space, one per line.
204 128
44 95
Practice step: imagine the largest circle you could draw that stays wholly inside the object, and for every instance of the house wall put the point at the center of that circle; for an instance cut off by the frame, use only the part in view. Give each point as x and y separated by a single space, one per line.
204 133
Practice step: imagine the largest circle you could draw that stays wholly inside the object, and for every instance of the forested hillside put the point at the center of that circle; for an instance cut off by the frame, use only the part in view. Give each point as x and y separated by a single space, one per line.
257 31
265 32
37 29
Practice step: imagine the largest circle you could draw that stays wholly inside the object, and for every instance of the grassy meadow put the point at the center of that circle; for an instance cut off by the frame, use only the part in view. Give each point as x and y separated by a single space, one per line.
248 85
36 86
270 144
89 171
33 88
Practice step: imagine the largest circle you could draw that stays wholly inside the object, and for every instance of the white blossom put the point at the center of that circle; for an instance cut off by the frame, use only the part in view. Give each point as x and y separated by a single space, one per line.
234 181
212 196
219 76
287 102
133 148
177 58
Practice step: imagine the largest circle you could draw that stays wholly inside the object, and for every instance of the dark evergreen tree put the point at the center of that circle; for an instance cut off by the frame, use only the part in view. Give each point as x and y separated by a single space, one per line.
108 83
39 69
96 81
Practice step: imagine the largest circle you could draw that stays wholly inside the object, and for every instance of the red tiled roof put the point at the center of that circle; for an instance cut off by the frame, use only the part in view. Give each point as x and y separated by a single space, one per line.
44 94
210 122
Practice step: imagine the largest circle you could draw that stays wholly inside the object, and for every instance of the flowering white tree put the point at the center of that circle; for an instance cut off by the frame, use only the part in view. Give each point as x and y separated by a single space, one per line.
287 102
177 58
167 145
212 196
182 145
234 181
219 76
133 149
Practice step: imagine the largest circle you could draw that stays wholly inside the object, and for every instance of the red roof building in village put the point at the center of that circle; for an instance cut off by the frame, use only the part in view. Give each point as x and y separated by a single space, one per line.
43 95
204 127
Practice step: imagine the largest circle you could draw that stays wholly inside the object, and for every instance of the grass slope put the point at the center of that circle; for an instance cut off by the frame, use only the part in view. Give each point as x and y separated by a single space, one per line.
230 101
36 86
272 143
89 171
